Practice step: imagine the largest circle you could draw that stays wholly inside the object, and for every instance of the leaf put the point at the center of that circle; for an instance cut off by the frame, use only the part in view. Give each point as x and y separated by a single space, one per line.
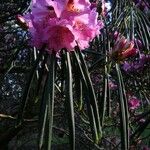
123 112
69 101
48 106
90 97
27 89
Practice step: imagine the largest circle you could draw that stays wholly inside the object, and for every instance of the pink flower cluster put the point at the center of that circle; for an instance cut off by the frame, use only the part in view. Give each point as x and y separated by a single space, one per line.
62 24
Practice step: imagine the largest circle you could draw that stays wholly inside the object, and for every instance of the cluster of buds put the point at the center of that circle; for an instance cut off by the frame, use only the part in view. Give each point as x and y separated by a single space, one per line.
123 48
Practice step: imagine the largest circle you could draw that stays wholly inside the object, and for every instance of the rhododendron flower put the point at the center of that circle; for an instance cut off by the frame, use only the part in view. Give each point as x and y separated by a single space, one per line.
58 35
122 49
62 24
134 103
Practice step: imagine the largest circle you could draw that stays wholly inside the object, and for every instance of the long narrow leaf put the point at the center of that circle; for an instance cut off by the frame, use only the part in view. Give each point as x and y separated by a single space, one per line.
69 101
123 115
48 106
27 90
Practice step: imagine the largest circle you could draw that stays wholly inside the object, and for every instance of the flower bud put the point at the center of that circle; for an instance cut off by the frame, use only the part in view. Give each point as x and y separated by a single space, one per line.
21 22
123 49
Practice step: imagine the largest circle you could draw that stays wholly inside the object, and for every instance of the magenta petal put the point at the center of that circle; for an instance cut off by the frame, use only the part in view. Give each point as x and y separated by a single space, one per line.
58 5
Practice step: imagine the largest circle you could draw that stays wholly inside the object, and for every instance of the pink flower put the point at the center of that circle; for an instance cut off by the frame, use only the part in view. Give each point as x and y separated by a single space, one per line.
86 27
59 32
62 24
134 103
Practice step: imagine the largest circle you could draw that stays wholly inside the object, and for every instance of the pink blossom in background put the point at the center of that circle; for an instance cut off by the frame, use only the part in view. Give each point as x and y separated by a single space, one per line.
133 103
137 65
62 24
